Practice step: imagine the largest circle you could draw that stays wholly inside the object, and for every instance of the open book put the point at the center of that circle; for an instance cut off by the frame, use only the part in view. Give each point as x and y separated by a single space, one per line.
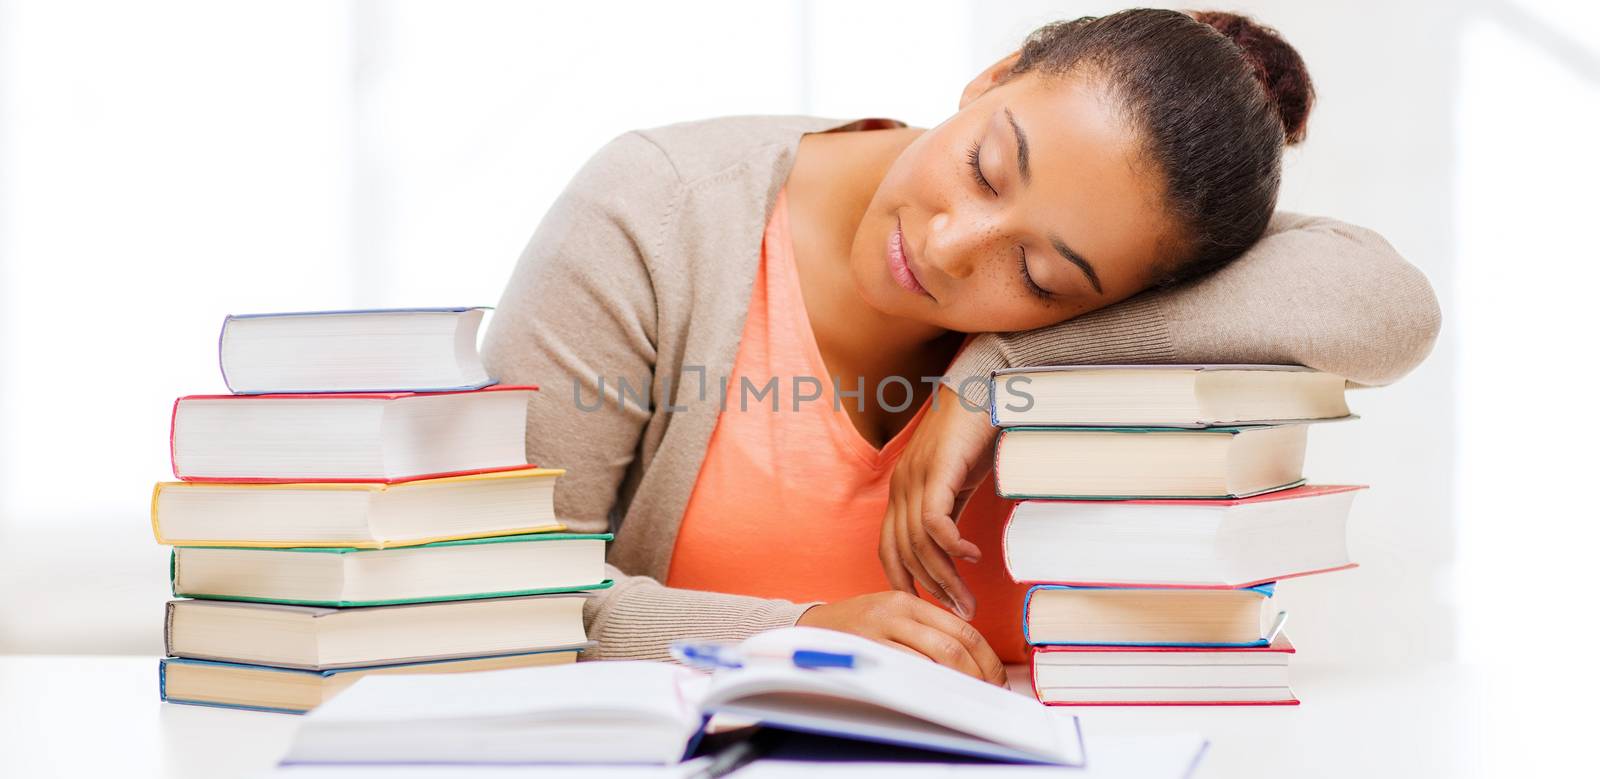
641 712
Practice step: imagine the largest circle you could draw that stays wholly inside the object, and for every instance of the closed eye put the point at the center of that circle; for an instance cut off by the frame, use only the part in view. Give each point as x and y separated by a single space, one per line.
977 170
1027 278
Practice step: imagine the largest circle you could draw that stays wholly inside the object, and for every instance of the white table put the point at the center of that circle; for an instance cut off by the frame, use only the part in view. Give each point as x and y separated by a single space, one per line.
100 716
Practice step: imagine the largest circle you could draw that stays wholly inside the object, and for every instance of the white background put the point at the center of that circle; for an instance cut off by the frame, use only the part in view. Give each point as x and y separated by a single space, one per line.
163 164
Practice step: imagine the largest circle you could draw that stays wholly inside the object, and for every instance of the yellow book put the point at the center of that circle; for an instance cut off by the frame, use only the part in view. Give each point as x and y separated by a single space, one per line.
355 515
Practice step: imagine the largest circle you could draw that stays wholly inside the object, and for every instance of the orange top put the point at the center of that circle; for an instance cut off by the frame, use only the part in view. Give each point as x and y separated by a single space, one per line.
789 502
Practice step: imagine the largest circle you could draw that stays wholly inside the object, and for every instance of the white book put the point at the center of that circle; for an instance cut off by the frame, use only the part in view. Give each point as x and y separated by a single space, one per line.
1064 675
1164 395
1128 462
349 437
634 712
382 350
318 638
1180 543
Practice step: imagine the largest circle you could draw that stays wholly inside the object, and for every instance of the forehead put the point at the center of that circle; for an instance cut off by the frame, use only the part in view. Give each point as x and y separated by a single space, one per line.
1090 182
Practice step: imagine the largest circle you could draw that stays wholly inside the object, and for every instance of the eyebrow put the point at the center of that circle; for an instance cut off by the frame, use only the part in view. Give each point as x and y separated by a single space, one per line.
1077 259
1022 149
1027 176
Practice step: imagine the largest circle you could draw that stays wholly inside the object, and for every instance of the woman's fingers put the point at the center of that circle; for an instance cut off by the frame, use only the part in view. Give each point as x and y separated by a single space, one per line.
888 546
938 514
903 648
909 559
911 624
991 669
936 644
939 574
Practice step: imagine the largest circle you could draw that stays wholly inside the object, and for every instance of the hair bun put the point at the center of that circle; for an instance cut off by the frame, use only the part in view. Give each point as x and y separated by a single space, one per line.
1277 66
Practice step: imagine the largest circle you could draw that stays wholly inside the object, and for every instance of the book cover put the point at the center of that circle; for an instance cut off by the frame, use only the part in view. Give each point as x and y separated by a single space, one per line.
1281 645
172 434
355 543
1303 491
222 336
172 571
1143 430
1265 589
165 662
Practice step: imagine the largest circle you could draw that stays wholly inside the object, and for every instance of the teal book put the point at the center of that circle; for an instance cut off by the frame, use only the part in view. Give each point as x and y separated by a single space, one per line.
530 564
1127 463
1069 615
294 691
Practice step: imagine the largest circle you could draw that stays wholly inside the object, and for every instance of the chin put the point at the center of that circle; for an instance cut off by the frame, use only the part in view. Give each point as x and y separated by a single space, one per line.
873 288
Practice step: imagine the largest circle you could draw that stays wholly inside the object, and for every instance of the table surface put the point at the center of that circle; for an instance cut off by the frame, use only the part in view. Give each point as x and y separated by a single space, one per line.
100 716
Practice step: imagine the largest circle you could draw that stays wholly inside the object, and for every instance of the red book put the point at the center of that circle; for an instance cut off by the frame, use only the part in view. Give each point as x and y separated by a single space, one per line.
1218 544
386 437
1164 675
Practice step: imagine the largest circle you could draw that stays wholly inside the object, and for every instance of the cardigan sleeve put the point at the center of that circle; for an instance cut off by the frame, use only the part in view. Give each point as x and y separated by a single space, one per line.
1313 291
578 307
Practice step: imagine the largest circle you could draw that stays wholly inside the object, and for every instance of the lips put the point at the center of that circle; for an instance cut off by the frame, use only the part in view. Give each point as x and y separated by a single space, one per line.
900 266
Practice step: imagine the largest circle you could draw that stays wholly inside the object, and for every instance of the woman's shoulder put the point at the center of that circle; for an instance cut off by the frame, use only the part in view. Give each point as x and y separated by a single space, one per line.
708 147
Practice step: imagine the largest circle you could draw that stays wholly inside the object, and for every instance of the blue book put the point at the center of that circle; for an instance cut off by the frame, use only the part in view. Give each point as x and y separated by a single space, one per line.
1065 615
295 691
376 350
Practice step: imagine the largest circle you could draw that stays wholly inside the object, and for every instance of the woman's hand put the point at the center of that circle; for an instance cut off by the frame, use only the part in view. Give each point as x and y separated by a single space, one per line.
940 467
909 623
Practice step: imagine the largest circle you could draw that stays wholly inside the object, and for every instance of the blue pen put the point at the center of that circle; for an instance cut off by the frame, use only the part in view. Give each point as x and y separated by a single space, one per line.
712 656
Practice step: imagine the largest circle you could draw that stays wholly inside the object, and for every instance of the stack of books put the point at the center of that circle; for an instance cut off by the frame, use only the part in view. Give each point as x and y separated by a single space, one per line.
361 504
1158 507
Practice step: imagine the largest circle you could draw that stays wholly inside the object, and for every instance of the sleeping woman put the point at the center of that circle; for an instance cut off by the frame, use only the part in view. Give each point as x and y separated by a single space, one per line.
764 341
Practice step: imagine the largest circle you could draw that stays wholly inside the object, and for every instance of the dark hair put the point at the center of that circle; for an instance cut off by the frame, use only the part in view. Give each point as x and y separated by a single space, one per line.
1215 97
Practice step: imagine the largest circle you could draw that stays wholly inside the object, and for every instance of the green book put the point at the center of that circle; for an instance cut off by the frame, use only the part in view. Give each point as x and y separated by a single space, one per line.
530 564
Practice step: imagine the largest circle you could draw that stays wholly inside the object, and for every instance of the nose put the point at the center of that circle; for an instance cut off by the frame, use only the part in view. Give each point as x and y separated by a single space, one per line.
955 245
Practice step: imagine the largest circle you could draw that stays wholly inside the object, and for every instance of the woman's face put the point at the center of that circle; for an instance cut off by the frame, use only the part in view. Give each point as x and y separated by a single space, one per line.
1028 207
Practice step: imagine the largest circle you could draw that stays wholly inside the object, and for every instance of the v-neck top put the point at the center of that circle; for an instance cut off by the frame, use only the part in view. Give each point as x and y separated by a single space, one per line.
790 499
790 496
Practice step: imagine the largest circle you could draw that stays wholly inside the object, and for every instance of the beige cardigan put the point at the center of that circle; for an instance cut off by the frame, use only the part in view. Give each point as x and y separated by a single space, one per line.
639 277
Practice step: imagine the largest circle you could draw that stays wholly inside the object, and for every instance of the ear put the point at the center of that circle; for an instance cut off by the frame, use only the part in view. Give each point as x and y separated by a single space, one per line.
991 77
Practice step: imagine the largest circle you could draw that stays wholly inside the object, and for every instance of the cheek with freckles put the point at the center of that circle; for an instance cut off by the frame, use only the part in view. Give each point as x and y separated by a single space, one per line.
993 299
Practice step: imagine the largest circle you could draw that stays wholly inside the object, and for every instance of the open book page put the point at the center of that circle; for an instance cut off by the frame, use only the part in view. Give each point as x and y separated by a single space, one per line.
621 712
640 689
892 697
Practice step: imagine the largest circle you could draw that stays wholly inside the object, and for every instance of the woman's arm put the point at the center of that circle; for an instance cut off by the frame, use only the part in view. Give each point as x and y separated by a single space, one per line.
580 306
1313 291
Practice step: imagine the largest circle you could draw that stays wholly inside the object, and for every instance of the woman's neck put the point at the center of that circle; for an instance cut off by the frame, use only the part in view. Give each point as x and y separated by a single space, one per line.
829 188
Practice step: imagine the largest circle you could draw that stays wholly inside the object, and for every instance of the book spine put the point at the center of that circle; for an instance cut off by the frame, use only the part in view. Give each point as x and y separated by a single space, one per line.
1033 673
166 629
155 513
994 400
1005 539
222 367
172 439
999 441
161 679
1027 608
